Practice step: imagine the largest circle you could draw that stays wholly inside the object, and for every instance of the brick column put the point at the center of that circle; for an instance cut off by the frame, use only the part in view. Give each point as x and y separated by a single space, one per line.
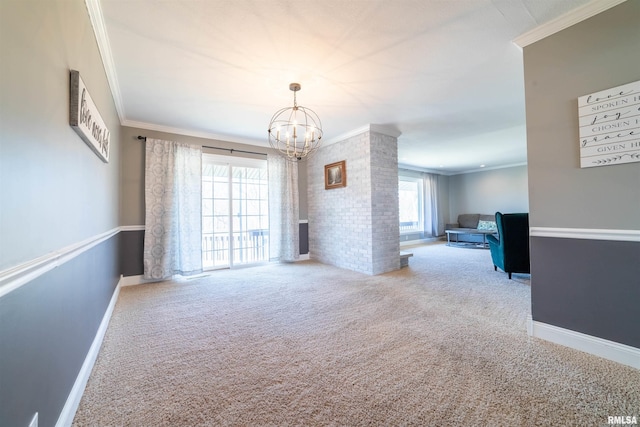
356 227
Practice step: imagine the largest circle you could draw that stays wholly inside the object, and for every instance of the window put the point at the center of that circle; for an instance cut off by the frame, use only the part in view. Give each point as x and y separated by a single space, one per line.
411 204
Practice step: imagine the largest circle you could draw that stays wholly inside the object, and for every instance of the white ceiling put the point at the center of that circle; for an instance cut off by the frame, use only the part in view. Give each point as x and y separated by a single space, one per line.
444 73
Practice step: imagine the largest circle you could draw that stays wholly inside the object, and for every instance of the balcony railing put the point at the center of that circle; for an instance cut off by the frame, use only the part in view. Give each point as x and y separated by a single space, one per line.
410 226
248 247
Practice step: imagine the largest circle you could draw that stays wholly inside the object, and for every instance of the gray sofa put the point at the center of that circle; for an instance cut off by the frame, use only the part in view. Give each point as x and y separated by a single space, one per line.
471 222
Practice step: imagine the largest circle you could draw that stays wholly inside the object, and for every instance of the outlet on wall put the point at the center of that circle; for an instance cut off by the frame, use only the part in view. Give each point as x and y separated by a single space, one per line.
34 421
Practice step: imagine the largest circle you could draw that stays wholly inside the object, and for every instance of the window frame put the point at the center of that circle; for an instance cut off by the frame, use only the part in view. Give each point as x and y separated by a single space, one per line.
419 227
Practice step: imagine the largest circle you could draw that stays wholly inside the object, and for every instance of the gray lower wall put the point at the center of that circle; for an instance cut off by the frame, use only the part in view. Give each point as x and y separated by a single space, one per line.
46 329
588 286
304 238
132 253
582 285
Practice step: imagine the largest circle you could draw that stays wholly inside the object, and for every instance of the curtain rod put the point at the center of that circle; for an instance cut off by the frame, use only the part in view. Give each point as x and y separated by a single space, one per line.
231 150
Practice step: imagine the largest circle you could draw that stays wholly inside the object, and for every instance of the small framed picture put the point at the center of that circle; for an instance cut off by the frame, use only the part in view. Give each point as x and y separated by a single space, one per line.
335 175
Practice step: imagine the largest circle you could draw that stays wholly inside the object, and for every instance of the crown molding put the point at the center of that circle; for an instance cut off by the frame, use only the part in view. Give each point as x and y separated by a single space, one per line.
196 134
102 38
452 173
512 165
562 22
411 168
371 127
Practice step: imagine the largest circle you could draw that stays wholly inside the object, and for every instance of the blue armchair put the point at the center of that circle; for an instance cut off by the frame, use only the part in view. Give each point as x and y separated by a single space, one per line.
510 251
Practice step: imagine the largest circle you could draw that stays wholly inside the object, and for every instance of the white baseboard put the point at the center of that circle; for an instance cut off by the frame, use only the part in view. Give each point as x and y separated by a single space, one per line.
136 280
606 349
73 400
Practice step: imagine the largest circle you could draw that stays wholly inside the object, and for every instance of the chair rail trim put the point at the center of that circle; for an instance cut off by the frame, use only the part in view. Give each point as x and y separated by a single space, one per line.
17 276
586 233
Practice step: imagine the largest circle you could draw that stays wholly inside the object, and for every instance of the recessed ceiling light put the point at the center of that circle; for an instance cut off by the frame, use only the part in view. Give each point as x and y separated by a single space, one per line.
481 166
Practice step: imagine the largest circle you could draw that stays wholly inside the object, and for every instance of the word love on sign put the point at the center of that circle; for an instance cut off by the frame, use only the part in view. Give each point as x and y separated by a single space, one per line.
85 119
610 126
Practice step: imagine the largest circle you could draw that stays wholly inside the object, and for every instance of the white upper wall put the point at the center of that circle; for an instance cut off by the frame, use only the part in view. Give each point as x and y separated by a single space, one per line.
598 54
54 191
487 192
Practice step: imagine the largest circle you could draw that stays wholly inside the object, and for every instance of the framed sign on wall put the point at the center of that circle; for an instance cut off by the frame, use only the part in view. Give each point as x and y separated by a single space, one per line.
85 119
609 123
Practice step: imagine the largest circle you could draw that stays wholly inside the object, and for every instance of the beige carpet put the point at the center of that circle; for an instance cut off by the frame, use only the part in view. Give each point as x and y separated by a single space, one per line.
442 342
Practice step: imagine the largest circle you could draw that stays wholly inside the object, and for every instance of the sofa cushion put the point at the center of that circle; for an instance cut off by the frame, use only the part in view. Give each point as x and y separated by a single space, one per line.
487 218
468 220
487 225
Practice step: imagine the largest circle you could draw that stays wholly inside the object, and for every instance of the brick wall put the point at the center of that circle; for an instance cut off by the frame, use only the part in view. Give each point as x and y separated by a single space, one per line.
356 227
384 203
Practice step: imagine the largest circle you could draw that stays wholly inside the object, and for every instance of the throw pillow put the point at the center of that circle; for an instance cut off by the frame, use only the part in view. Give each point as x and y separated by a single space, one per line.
487 225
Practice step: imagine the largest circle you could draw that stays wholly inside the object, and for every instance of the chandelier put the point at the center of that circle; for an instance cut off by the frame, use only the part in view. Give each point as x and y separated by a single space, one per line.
295 131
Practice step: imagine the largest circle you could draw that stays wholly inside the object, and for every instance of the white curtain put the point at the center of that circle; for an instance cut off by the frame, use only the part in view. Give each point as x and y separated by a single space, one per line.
173 236
284 241
431 204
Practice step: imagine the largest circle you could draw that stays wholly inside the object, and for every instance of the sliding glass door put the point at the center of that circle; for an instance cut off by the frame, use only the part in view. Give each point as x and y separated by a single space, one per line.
235 211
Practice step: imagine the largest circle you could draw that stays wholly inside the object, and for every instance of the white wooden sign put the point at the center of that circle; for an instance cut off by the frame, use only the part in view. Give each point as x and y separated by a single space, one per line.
85 119
610 126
